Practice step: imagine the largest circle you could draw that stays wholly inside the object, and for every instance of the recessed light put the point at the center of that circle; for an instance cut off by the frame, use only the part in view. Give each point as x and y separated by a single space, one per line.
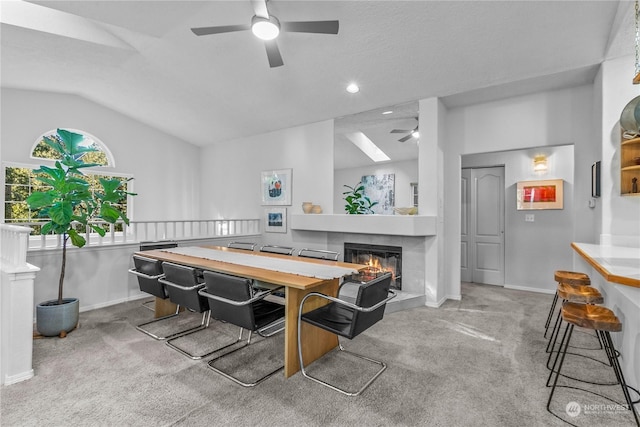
387 112
353 88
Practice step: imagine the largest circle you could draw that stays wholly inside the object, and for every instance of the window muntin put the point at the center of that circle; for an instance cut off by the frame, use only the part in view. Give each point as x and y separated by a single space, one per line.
101 157
21 180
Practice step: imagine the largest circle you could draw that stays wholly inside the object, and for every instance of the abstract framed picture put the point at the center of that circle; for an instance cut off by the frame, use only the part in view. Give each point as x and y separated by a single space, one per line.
545 194
276 187
275 220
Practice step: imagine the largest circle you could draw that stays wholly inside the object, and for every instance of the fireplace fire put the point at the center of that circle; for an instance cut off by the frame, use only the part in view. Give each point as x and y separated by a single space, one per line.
379 259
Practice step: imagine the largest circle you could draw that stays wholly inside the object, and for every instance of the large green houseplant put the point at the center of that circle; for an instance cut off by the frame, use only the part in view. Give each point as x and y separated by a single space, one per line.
69 206
356 201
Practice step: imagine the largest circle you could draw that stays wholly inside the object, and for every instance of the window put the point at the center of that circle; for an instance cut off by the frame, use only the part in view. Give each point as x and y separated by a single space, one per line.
101 157
414 193
20 180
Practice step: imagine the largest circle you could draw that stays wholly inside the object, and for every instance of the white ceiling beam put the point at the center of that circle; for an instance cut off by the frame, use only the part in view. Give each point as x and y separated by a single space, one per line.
40 18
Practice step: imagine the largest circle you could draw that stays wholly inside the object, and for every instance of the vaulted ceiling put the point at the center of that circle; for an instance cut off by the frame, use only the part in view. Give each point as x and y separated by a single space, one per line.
141 59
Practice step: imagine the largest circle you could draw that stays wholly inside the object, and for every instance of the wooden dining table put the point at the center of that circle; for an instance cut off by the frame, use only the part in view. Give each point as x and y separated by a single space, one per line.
315 341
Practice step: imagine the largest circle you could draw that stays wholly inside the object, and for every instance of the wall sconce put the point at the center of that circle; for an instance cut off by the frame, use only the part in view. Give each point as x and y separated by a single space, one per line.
540 164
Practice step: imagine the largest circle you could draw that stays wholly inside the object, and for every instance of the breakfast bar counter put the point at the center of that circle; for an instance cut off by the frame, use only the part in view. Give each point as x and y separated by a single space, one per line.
615 271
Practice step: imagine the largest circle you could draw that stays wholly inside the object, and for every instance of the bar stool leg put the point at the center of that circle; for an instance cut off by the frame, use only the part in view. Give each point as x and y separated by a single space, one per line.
618 370
568 330
550 316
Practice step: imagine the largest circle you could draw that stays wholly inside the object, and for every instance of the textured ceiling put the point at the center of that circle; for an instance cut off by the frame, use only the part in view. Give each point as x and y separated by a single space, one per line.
141 59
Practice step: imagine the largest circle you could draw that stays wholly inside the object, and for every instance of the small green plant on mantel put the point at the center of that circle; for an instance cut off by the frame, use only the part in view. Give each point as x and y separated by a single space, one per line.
357 202
68 203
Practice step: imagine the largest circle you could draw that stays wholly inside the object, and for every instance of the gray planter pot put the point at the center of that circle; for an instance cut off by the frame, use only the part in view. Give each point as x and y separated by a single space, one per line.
51 318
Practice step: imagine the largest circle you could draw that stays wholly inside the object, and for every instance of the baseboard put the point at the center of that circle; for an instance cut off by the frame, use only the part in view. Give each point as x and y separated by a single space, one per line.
436 304
114 302
457 297
530 289
23 376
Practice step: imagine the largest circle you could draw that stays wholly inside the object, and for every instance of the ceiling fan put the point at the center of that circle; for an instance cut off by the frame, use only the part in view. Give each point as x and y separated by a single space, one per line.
267 27
410 133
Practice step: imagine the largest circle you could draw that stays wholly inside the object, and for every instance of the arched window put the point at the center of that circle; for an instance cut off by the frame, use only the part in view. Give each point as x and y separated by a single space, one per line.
102 157
20 180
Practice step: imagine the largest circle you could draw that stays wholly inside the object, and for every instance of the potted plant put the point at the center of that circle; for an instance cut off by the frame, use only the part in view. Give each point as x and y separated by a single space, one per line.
67 203
357 202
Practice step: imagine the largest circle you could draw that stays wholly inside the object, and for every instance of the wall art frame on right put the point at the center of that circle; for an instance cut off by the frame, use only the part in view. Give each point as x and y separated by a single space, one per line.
544 194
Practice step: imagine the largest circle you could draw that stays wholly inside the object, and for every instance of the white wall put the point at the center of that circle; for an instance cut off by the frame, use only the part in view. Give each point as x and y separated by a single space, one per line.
166 172
166 169
231 176
560 117
405 172
534 250
620 215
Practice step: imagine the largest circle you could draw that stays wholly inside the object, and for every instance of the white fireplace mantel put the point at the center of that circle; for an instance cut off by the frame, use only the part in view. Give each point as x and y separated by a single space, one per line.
394 225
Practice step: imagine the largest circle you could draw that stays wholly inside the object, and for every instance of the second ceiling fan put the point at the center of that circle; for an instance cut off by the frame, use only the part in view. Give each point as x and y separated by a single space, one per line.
410 133
267 27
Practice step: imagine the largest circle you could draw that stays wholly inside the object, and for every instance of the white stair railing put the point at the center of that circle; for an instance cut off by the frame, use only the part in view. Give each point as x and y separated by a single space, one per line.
16 305
14 243
139 231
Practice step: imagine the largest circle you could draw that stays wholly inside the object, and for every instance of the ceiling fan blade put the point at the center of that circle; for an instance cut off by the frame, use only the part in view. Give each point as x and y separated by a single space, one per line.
260 8
321 27
400 131
203 31
273 54
406 138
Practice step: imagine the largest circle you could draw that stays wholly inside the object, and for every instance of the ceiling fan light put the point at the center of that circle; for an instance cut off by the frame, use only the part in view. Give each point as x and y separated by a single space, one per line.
415 134
265 29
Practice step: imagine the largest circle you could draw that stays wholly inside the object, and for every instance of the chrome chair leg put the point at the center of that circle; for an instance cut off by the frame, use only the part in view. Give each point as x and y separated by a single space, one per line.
237 380
151 334
336 388
204 324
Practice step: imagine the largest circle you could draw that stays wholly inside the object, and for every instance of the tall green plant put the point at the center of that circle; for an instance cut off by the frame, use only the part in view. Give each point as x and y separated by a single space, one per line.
357 202
69 202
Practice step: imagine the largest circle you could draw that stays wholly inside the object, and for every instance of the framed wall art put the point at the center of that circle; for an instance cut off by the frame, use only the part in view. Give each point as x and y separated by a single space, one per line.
275 220
276 187
381 189
545 194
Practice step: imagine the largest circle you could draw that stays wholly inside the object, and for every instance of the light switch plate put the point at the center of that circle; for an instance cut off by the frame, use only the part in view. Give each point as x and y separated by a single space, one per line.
529 218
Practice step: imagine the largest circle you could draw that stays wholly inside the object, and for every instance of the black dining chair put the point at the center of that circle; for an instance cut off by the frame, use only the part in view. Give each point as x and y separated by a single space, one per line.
149 272
232 300
149 245
319 254
247 246
182 284
348 320
274 249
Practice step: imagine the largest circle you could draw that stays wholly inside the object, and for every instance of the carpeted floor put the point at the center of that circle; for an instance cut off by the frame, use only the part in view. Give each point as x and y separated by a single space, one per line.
475 362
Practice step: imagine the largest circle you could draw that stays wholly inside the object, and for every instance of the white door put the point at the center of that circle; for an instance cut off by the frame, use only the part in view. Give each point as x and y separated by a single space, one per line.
465 269
485 220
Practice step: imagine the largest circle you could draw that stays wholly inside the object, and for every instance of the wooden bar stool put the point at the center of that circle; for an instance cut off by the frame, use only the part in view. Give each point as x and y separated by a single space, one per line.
581 294
603 321
570 278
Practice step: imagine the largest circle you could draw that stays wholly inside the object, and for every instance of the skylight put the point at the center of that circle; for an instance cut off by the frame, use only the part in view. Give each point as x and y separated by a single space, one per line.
367 146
